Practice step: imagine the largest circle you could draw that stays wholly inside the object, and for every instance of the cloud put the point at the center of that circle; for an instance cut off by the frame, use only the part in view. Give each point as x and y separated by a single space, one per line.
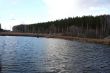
94 3
61 8
23 10
94 7
69 8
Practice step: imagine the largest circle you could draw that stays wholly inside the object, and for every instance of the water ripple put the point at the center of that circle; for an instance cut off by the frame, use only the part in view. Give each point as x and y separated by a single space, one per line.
45 55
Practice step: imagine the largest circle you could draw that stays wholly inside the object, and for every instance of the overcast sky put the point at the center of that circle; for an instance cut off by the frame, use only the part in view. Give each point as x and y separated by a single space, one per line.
14 12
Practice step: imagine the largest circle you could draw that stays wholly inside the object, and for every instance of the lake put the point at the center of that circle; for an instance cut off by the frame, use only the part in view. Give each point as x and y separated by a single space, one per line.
50 55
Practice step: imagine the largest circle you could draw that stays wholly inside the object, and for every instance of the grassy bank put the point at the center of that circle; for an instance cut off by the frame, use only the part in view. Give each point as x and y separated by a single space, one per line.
92 40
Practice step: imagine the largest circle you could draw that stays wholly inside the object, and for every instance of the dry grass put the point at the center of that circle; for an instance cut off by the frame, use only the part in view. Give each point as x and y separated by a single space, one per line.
93 40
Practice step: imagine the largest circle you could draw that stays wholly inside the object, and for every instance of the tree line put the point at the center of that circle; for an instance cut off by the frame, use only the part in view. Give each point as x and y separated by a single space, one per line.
85 26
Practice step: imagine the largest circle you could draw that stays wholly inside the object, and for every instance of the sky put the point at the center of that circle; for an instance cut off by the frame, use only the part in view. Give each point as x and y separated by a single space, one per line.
15 12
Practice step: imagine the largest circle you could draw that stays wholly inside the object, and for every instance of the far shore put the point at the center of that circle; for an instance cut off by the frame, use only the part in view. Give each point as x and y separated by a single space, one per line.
92 40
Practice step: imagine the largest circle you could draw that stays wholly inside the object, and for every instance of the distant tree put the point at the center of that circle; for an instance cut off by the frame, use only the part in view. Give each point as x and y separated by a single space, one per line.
85 26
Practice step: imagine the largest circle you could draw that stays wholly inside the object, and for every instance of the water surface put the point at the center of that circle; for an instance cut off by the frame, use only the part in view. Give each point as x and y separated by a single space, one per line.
48 55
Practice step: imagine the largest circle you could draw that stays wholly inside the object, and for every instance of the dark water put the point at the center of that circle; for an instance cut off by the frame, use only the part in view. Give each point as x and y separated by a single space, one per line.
44 55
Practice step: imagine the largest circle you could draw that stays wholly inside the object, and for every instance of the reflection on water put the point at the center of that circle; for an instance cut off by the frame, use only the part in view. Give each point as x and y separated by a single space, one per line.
44 55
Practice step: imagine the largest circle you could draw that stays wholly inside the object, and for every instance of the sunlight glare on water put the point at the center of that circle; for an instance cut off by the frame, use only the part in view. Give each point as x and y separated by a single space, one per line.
49 55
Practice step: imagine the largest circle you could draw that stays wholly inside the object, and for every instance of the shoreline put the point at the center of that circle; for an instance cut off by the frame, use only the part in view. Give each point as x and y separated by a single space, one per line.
91 40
